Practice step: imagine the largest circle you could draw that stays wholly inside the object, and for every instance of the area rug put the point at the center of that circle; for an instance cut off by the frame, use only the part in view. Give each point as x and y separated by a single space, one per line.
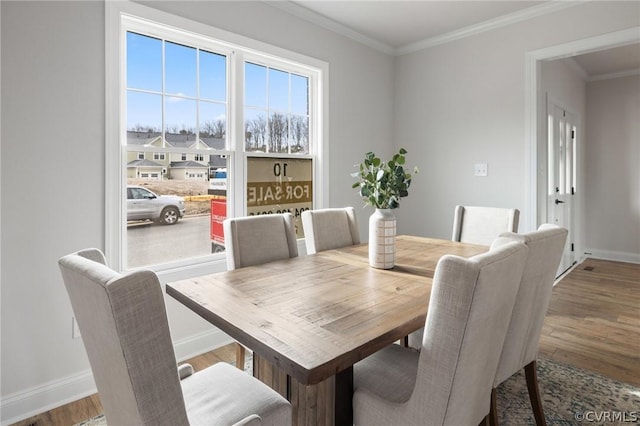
570 396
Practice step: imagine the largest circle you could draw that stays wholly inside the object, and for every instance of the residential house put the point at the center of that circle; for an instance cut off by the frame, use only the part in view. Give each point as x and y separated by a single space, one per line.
158 165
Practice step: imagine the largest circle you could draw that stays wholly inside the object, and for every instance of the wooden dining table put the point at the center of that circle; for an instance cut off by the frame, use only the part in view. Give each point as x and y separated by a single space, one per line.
309 319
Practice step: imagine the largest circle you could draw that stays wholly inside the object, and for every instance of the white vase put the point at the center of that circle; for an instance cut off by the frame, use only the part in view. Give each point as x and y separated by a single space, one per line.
382 239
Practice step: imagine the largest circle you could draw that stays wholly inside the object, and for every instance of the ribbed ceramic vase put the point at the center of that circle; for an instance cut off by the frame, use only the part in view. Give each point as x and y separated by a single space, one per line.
382 239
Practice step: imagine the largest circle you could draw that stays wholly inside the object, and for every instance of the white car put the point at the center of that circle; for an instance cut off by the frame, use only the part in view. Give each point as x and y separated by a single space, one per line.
143 204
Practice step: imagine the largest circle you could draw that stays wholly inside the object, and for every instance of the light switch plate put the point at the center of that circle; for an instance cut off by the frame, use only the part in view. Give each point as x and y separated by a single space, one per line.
481 169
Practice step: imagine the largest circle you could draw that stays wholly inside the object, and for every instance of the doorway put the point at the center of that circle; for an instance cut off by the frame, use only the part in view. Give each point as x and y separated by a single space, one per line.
562 182
536 127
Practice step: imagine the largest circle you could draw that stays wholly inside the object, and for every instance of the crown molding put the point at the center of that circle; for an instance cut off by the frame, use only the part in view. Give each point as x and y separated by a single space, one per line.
331 25
491 24
612 75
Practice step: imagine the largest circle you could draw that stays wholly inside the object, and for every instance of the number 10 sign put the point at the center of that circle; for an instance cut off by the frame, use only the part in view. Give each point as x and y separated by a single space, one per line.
279 185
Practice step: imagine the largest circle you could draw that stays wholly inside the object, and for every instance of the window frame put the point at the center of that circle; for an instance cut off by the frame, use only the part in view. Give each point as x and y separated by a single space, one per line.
240 48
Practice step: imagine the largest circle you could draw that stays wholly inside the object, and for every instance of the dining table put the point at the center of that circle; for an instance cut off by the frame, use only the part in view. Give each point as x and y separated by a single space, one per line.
309 319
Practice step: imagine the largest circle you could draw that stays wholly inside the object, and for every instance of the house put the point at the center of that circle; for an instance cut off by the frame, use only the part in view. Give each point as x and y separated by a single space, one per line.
452 103
150 165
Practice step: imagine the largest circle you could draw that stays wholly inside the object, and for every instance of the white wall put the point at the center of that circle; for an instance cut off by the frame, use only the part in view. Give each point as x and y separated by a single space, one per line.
52 181
612 157
463 103
53 166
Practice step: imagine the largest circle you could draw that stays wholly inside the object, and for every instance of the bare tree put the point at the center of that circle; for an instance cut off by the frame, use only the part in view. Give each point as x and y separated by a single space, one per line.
207 128
214 128
278 132
143 128
255 132
219 129
300 132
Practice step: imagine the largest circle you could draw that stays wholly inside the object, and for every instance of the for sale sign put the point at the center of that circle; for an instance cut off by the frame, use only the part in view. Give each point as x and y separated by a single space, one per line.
279 185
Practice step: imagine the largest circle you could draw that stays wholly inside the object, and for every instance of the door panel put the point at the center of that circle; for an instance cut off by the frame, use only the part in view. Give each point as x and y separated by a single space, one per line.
562 154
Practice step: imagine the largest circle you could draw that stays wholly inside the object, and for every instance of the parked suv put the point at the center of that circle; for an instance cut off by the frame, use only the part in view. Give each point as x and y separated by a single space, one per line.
143 204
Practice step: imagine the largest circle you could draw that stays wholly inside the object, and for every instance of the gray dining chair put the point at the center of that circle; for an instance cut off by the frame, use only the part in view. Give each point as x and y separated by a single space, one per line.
126 334
448 382
326 229
481 225
256 240
520 348
475 225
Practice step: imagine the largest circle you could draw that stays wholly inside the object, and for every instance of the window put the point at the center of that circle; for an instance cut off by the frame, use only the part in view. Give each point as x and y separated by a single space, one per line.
250 120
276 110
141 156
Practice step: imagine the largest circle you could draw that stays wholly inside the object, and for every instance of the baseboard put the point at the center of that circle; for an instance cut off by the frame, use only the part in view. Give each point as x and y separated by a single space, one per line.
618 256
38 399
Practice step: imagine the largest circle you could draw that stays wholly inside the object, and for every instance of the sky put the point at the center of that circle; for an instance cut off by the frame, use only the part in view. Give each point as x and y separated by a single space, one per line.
266 89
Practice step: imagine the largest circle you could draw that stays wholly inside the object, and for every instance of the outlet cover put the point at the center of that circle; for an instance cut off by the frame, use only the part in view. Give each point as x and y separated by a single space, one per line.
481 169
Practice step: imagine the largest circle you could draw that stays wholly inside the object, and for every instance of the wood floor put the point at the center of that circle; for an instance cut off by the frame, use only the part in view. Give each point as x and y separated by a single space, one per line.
593 322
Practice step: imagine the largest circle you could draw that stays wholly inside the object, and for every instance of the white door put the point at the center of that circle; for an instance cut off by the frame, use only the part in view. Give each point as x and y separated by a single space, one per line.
562 154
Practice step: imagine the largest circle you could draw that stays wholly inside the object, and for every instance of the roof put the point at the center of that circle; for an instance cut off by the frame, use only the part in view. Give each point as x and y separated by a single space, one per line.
215 143
141 138
174 140
187 165
143 163
180 140
216 161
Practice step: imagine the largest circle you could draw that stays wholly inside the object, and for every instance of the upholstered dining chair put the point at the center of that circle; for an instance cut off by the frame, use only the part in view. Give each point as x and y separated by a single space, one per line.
445 383
255 240
475 225
126 334
481 225
326 229
523 335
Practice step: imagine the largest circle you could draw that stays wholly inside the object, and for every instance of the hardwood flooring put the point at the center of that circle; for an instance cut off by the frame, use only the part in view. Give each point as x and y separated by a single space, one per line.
593 323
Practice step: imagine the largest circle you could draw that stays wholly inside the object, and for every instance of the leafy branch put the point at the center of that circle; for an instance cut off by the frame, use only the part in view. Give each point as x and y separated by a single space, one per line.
381 184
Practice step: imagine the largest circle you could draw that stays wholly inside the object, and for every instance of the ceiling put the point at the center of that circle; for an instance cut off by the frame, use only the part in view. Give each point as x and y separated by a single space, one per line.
399 27
401 23
605 63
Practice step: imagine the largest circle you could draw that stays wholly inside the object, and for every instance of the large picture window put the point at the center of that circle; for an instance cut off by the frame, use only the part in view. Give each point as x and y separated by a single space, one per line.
210 129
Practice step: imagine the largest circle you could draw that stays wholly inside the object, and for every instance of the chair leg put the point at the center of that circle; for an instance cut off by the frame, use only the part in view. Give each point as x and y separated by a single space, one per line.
405 342
534 393
240 352
493 410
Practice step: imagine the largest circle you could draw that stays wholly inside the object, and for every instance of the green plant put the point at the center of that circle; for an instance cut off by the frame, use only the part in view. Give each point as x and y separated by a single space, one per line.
381 183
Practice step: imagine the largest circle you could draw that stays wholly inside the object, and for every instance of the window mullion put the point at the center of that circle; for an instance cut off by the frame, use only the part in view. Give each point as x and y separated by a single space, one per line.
236 125
198 97
268 140
164 77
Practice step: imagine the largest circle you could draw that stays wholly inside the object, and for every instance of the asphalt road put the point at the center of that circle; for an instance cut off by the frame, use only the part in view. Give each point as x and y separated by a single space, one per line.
151 244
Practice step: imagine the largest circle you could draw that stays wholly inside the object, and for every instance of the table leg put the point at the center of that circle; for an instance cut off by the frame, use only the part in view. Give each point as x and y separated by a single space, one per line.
343 398
313 405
